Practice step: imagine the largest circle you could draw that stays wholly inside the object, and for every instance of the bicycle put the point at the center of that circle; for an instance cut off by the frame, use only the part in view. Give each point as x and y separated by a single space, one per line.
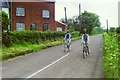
68 48
85 50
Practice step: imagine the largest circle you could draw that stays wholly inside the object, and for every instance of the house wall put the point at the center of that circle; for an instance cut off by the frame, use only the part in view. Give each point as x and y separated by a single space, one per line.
33 14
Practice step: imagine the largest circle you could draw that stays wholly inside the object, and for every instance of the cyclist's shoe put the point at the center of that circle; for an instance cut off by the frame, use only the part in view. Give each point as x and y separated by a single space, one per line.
88 52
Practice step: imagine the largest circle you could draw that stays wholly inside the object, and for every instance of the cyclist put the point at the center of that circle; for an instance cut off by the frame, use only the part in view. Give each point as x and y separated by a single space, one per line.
68 37
85 39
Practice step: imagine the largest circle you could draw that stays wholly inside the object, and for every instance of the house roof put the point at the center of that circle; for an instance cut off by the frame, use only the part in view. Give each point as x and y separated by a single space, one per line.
32 1
61 23
47 0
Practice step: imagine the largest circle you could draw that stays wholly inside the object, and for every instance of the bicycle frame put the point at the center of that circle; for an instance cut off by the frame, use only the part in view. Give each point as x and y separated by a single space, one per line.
85 49
68 46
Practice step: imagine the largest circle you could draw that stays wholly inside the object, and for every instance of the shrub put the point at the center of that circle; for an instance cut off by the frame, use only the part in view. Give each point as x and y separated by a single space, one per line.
118 30
5 21
111 58
34 37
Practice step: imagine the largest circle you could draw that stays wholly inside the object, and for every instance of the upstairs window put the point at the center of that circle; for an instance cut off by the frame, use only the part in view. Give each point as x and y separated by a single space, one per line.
46 14
20 11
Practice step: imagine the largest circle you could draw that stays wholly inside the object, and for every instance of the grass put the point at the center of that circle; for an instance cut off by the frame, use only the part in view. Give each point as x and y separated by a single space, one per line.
20 50
111 67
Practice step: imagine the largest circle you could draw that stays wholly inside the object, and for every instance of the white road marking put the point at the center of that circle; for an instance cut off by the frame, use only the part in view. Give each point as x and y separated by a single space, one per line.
46 67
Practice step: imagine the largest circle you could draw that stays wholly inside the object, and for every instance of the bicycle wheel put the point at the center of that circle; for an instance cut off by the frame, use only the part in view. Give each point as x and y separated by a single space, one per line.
84 54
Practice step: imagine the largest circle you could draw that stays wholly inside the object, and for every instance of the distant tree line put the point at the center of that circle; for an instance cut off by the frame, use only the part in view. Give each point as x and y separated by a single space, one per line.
89 22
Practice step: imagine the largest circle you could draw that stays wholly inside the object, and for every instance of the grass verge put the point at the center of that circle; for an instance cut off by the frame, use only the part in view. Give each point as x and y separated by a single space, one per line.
20 50
111 67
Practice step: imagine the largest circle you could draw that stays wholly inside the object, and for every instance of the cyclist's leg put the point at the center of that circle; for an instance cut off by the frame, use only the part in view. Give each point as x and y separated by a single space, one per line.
66 43
69 42
88 48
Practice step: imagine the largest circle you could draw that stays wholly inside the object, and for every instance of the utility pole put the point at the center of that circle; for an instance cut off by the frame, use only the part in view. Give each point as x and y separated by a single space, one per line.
107 25
80 21
66 17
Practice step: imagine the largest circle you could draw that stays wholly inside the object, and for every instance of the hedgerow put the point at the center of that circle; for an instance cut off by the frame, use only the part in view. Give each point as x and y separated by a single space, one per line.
34 37
111 58
20 50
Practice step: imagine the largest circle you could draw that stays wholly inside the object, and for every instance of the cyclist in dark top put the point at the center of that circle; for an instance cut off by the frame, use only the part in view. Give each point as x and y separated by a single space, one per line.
68 37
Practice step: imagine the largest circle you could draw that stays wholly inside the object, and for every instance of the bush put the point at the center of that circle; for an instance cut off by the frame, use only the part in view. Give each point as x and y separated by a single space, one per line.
111 58
118 30
5 21
34 37
20 50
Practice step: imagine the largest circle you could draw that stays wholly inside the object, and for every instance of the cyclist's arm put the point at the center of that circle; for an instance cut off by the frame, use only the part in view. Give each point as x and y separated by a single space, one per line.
83 39
88 39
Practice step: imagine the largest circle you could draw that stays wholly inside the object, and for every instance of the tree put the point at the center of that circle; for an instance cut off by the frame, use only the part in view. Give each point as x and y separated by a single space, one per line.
97 30
89 21
112 29
5 21
72 23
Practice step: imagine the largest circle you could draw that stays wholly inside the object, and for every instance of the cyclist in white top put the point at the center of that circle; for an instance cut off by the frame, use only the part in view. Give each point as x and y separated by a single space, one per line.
85 39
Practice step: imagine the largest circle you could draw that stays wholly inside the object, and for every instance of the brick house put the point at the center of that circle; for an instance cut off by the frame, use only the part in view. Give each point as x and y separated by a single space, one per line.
38 16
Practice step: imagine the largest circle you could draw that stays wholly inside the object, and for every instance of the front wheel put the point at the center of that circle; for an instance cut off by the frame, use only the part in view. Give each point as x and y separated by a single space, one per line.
84 55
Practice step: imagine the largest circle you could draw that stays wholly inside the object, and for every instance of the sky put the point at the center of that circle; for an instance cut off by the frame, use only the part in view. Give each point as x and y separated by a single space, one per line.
106 9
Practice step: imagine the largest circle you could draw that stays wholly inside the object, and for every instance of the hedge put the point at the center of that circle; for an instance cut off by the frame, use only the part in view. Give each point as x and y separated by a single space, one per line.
13 52
34 37
111 58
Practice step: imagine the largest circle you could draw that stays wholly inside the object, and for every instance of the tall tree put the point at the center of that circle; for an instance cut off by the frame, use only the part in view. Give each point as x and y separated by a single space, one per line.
89 21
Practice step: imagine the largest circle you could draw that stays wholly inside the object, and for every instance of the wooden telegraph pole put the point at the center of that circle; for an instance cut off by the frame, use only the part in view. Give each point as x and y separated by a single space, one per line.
80 21
66 17
107 25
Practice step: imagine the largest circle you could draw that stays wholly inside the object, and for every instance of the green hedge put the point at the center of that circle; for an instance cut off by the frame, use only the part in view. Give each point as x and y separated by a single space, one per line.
118 30
111 58
34 37
12 52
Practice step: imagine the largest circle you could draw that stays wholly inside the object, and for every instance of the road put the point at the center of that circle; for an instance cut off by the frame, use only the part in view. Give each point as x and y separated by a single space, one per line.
55 63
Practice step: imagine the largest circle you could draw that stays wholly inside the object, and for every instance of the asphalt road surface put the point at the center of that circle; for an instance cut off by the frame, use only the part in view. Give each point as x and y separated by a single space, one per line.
55 63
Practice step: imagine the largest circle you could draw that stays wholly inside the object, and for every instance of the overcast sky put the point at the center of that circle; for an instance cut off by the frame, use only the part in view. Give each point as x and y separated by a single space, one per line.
106 9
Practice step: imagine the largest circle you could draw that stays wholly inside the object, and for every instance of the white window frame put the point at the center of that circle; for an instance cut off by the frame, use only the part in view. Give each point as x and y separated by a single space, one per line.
19 13
45 13
58 28
21 27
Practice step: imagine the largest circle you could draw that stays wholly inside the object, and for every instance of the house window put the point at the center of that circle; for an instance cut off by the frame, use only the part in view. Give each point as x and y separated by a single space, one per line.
33 27
20 26
46 14
46 27
20 11
59 29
